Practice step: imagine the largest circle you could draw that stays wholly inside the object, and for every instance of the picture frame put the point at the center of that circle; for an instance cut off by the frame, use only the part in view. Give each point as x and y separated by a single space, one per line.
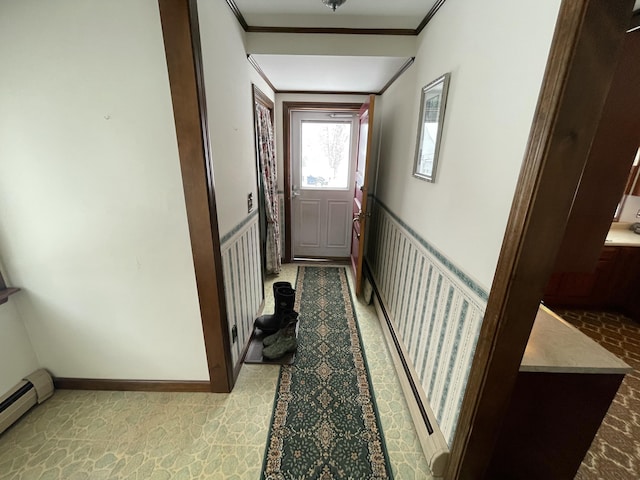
433 100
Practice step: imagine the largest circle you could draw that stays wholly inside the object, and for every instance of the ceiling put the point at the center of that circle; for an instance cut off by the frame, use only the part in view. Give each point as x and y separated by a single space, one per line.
329 73
400 14
332 72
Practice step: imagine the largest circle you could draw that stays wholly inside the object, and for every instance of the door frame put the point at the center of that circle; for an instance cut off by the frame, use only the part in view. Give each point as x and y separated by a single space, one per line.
584 52
181 36
287 109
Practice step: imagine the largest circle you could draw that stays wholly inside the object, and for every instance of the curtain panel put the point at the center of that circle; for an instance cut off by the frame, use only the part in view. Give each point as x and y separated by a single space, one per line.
267 154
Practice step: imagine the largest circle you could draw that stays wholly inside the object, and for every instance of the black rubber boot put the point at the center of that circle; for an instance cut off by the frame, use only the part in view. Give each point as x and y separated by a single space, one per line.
285 299
286 318
267 319
278 285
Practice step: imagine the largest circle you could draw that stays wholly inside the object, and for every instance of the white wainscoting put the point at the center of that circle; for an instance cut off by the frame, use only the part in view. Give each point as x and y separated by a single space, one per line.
241 265
435 309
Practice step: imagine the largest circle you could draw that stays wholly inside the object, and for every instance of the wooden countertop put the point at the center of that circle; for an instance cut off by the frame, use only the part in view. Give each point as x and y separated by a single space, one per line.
555 346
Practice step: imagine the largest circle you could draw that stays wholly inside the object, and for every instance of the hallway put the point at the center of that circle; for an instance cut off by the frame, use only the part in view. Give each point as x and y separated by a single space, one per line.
135 435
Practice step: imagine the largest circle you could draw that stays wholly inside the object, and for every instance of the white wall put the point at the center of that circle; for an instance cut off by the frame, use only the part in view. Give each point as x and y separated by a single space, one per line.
496 60
630 209
92 218
228 78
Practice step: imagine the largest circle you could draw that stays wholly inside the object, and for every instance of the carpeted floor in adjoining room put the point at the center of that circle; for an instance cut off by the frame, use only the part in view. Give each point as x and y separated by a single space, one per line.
167 436
615 451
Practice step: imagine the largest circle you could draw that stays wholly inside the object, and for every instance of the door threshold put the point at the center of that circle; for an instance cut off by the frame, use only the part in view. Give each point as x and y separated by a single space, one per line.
340 260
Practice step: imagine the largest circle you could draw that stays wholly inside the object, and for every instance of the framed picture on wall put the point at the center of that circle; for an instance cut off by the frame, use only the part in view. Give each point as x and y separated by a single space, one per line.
432 106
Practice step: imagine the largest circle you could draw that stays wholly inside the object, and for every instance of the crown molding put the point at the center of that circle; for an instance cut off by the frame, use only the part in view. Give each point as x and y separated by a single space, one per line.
238 14
429 16
403 68
257 68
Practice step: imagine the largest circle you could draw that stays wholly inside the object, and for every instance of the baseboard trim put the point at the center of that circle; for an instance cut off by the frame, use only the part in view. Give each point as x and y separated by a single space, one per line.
431 439
132 385
400 351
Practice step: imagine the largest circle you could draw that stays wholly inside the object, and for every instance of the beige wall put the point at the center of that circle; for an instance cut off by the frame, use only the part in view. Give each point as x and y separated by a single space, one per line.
496 62
92 216
448 234
228 78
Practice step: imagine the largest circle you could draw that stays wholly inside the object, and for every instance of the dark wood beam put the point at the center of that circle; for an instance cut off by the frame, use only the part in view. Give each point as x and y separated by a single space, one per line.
184 63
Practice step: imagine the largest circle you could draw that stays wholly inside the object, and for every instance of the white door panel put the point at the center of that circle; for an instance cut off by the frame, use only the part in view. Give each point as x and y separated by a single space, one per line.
338 234
308 225
323 150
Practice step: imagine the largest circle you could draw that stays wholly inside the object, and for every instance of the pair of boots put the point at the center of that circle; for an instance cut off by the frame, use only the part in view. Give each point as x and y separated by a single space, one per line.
281 325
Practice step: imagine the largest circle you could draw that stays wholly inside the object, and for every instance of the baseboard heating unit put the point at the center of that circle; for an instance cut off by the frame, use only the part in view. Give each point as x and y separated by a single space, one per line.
33 389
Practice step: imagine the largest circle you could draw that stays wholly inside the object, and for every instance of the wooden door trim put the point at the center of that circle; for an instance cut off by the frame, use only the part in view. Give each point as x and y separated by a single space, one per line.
588 38
287 109
181 35
364 207
260 97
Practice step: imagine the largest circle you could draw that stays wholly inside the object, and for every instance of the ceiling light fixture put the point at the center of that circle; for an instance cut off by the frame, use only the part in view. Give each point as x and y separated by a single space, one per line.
333 4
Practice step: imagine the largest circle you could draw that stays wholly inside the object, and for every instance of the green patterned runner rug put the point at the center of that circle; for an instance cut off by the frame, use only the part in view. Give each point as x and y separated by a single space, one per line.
325 423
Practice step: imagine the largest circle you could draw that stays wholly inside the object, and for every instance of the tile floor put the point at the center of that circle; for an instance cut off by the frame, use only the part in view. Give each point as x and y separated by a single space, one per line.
155 436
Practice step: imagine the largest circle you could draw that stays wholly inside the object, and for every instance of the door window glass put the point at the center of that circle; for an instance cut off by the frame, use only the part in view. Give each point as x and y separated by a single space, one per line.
325 152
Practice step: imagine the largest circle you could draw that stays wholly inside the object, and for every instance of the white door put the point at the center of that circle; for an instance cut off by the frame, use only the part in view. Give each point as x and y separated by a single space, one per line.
323 147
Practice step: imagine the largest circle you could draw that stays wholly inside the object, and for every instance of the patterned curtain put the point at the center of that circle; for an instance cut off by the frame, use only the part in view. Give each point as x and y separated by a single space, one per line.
266 148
